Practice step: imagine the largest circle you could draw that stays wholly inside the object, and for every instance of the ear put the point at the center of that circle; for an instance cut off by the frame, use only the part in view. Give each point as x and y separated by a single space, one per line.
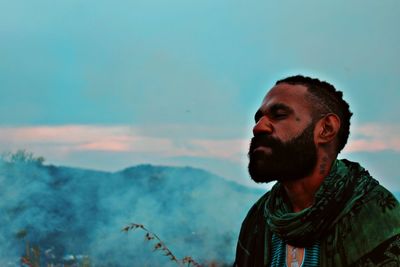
327 129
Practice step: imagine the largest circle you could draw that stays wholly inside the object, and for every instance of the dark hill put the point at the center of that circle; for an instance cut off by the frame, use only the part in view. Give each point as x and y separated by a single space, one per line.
71 212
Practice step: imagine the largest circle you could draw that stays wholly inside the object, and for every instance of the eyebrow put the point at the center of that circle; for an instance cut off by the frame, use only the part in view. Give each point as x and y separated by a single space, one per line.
280 106
273 109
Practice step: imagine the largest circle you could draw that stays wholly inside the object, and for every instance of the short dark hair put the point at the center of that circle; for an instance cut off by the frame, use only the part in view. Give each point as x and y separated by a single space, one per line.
329 100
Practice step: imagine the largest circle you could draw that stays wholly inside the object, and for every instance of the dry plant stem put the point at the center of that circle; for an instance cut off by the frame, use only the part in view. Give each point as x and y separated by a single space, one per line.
160 245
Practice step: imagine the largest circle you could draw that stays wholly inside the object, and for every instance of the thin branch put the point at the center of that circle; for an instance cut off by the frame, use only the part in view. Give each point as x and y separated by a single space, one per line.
159 245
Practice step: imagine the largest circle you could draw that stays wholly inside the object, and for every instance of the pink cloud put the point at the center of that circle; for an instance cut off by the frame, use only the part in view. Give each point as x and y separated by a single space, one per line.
231 149
62 140
374 137
105 146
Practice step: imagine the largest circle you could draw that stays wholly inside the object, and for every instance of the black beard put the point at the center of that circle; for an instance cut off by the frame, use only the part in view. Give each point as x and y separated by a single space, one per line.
288 161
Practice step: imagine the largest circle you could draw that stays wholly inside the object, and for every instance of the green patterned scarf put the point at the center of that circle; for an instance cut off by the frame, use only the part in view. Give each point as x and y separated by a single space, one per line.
351 217
346 183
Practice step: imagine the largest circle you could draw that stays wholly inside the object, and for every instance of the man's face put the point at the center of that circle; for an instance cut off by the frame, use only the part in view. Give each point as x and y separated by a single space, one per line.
283 145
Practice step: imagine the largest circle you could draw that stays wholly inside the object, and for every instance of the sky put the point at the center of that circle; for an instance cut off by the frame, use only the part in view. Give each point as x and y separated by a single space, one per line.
110 84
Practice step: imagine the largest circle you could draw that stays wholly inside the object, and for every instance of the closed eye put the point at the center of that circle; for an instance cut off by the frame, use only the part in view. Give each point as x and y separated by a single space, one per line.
280 111
279 116
277 111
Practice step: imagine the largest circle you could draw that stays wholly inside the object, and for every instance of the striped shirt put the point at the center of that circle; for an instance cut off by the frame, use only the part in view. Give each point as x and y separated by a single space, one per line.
310 259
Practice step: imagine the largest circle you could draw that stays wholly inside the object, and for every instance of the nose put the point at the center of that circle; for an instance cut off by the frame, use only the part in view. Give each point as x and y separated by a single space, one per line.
263 126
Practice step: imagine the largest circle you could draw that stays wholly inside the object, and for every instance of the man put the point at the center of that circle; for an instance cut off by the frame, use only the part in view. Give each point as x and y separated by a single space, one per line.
322 211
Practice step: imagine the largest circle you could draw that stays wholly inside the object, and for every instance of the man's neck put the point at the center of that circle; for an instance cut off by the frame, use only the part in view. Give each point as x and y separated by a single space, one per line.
301 193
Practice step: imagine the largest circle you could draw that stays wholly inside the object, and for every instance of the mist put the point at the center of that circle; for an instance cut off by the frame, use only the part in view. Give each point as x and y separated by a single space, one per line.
70 212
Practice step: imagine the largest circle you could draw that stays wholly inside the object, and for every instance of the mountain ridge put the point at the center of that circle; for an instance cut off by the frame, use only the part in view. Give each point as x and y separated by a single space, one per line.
79 211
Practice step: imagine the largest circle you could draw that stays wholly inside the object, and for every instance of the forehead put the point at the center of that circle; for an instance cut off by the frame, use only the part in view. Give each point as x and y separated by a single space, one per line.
293 96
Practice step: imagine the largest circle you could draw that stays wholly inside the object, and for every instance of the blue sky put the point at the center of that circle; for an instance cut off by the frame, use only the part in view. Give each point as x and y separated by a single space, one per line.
110 84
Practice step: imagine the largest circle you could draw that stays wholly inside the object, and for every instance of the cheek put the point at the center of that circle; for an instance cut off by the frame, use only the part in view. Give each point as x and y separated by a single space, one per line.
286 133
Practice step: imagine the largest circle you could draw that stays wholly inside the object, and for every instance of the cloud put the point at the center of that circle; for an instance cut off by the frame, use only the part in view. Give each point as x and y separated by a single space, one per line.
51 140
373 137
85 143
231 149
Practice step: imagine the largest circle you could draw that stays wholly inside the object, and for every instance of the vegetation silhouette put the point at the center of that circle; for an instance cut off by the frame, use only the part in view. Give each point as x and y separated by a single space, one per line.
160 245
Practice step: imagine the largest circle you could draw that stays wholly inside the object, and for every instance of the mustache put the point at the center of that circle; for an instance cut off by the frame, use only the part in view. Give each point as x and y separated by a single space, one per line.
263 140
